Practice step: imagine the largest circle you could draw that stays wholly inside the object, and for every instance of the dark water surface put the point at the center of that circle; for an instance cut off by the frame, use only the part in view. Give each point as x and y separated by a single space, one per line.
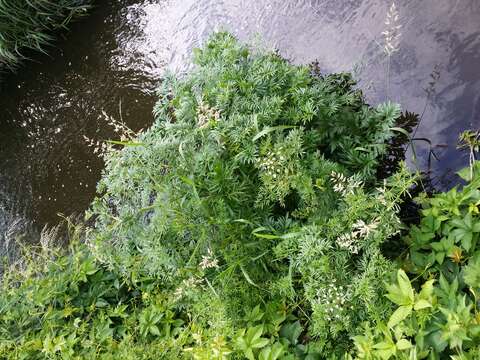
112 61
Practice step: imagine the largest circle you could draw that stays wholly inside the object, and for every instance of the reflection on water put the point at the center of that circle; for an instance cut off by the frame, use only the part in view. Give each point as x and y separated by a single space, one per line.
113 60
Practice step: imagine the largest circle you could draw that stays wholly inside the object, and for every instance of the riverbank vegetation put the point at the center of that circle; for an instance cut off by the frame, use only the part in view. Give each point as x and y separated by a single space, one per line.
30 25
255 220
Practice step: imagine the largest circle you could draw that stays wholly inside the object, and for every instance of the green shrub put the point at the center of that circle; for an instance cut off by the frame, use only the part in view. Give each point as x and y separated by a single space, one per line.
69 306
30 24
438 318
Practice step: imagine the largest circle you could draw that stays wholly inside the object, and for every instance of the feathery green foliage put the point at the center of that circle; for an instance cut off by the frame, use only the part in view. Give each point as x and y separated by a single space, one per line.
30 25
268 167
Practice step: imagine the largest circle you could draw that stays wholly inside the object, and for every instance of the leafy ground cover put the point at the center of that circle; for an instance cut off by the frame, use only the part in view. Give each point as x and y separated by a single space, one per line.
250 222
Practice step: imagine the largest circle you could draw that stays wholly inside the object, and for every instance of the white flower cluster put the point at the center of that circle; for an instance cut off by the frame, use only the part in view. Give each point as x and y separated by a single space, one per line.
392 32
364 229
349 242
274 163
208 261
188 284
205 113
381 193
360 230
334 300
344 185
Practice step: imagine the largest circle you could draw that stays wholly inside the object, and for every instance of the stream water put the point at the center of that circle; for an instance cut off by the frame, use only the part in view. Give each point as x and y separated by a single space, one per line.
111 62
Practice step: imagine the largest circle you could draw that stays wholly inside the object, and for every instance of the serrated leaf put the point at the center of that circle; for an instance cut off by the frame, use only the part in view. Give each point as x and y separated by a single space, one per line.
292 332
439 257
259 343
403 344
466 241
437 246
476 227
272 352
427 290
399 315
385 350
421 304
405 285
154 330
254 333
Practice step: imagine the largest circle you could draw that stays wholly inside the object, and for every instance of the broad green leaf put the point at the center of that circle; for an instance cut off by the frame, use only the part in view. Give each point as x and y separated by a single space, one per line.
427 290
465 174
400 314
101 303
272 352
385 350
439 257
437 246
476 226
292 332
403 344
395 296
259 343
254 333
255 315
405 285
421 304
249 354
471 272
467 241
154 330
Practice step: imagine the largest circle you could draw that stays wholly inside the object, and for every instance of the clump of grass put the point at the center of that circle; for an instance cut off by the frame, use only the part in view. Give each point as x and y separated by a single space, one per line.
30 25
392 37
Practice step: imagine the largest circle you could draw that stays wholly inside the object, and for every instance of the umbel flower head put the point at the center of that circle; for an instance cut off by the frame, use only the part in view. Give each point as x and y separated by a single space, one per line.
335 300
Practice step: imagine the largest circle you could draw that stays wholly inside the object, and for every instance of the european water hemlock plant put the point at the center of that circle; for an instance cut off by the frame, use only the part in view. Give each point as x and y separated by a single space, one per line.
250 222
271 169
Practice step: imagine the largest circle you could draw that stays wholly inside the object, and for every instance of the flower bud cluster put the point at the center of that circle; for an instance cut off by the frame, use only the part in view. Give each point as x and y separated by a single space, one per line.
205 113
274 164
382 193
344 185
349 242
208 261
335 300
186 285
360 230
